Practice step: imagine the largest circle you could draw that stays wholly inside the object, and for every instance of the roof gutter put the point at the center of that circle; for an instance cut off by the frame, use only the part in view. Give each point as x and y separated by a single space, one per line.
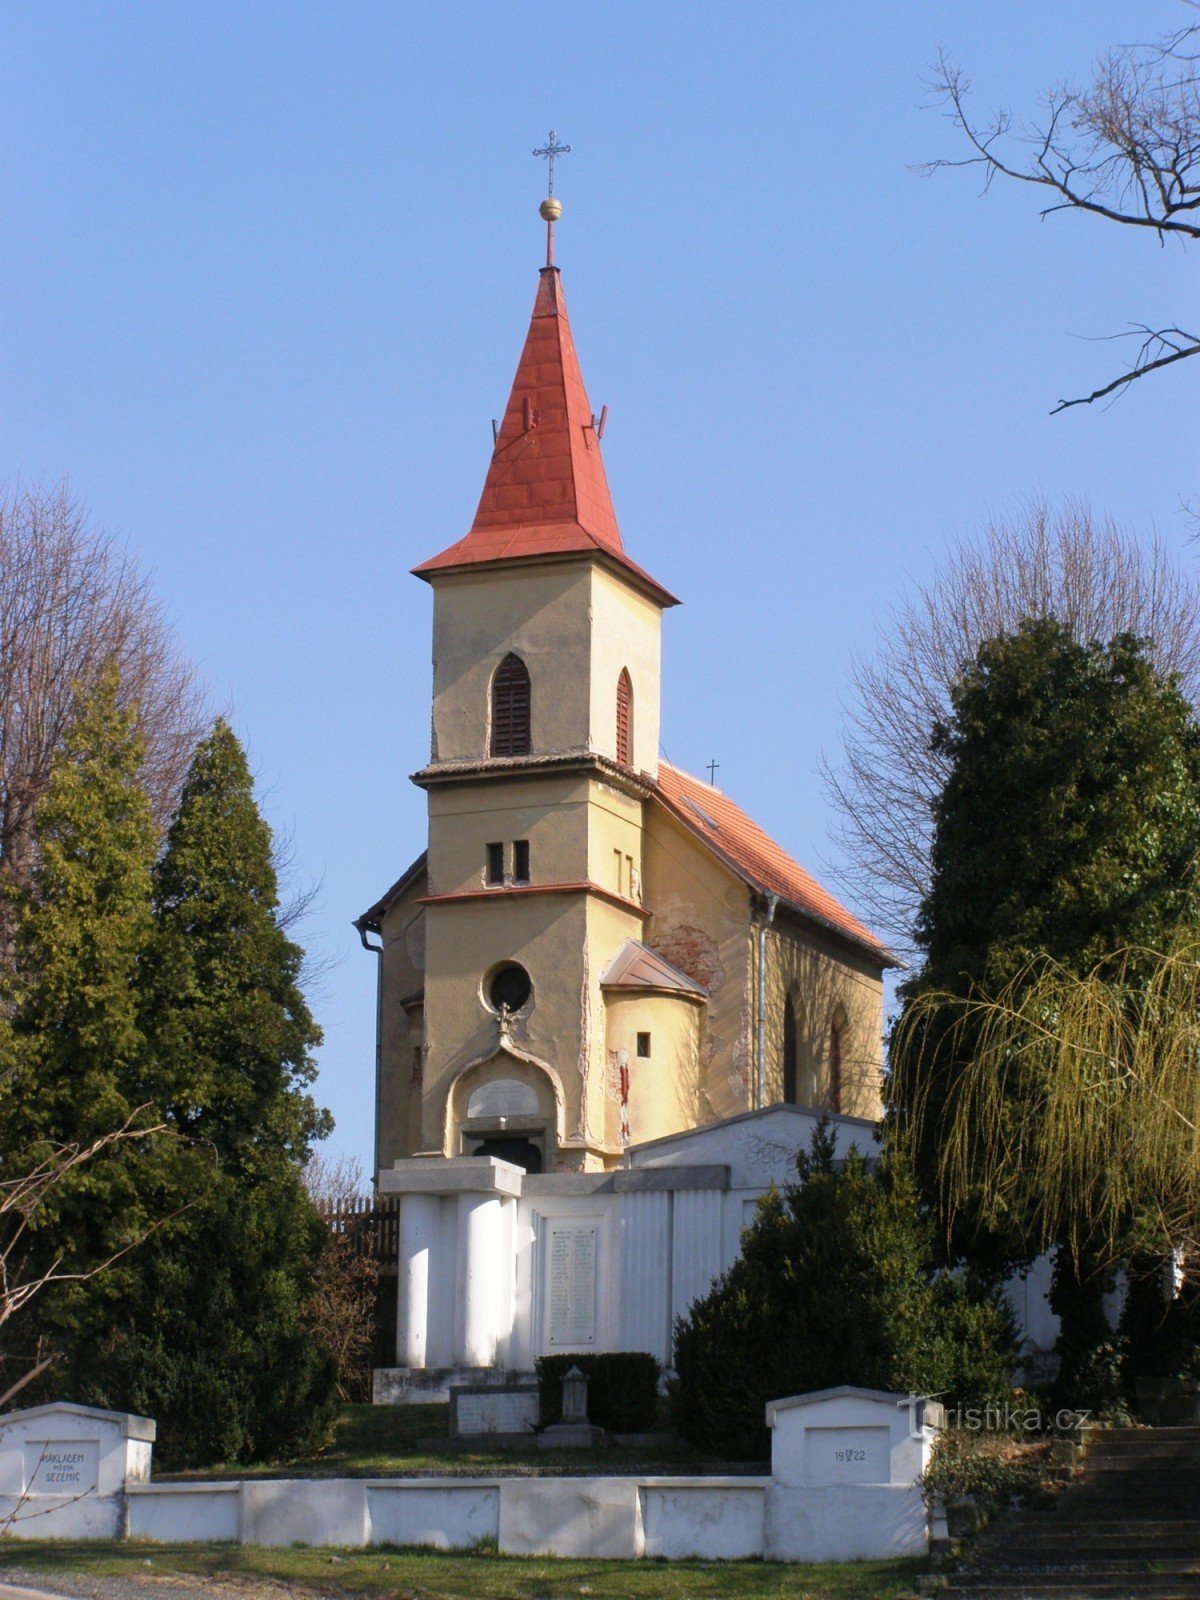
760 1041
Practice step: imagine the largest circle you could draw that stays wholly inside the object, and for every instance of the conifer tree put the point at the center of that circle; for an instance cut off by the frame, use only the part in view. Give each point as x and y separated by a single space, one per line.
1066 834
836 1283
213 1341
74 1036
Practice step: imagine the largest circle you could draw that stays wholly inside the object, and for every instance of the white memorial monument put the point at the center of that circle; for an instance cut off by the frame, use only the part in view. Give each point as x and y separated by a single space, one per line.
64 1470
498 1266
846 1466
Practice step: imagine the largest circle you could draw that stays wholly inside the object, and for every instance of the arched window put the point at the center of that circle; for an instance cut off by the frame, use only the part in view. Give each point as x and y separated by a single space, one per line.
625 719
835 1062
511 735
790 1070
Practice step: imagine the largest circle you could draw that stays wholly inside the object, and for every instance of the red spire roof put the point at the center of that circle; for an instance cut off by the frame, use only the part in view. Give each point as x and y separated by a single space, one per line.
545 491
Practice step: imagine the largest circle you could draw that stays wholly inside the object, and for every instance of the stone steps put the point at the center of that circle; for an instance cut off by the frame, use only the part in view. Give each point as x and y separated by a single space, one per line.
1127 1529
1096 1586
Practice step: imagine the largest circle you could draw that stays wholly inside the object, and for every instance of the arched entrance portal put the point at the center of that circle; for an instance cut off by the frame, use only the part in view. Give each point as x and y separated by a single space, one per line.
506 1107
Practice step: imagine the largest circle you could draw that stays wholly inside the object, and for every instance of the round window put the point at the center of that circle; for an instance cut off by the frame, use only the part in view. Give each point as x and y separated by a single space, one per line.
510 987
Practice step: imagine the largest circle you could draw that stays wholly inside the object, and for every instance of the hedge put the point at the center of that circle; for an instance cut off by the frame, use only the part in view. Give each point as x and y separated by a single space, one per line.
622 1395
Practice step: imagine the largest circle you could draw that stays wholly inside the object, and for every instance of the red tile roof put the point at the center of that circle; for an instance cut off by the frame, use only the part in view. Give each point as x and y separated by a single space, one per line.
754 856
546 492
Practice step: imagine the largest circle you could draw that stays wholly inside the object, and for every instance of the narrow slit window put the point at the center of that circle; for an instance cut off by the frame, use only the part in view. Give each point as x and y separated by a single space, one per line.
790 1052
625 719
511 716
835 1066
521 861
495 863
643 1045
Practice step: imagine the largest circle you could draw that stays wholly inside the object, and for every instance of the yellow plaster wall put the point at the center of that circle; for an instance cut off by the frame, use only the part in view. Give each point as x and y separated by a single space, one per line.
575 626
553 937
608 928
541 613
401 1031
664 1089
700 922
550 811
826 978
626 631
614 831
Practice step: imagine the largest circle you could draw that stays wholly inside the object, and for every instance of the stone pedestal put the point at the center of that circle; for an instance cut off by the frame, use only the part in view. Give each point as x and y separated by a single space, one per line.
846 1466
64 1470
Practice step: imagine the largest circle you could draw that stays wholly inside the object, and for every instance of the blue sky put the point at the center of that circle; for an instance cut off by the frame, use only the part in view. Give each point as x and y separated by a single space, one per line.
268 268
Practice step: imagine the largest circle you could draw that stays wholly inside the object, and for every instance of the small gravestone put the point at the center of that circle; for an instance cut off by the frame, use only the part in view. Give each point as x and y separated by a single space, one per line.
574 1431
64 1470
478 1410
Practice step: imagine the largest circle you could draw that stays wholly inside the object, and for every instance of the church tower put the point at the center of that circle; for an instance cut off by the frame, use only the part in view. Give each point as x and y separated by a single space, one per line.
546 649
611 1007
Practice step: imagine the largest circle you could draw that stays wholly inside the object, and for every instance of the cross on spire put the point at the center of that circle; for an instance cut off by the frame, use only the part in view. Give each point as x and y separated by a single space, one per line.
551 152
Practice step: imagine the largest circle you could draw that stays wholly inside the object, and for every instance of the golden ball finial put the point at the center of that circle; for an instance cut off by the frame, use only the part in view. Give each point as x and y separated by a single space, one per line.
550 209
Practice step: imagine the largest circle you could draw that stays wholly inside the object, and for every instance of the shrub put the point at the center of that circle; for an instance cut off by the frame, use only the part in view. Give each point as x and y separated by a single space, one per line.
994 1469
622 1389
835 1284
1160 1331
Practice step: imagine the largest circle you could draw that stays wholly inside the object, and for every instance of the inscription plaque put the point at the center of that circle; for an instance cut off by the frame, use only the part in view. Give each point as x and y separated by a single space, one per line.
847 1455
497 1411
571 1289
62 1466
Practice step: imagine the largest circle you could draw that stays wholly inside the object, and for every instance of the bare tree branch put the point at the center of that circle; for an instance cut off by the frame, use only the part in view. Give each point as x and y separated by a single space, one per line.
1125 149
71 600
1092 575
1162 338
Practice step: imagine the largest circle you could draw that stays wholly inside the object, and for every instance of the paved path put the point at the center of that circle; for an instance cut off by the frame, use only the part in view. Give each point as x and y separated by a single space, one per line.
23 1585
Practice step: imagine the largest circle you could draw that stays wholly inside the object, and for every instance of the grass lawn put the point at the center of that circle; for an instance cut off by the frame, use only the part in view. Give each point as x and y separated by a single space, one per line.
427 1575
373 1441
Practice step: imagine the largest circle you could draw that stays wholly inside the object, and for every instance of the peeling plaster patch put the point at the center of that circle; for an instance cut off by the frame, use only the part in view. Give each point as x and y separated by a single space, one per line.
612 1078
694 952
714 1048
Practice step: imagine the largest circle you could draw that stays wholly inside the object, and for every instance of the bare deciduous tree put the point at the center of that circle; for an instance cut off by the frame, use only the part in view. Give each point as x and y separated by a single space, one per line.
1090 574
1125 149
72 600
333 1180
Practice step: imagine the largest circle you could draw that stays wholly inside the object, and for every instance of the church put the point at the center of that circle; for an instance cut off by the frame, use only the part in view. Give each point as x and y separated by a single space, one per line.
610 1007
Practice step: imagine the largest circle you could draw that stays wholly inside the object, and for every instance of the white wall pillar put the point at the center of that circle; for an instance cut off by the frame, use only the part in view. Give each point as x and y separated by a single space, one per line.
420 1215
481 1261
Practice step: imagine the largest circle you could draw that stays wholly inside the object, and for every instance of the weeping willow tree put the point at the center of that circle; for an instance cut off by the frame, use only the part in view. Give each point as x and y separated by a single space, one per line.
1069 1100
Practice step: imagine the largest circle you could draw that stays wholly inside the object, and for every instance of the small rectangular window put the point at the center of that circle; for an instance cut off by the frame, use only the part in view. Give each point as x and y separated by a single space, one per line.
495 863
618 867
643 1045
521 861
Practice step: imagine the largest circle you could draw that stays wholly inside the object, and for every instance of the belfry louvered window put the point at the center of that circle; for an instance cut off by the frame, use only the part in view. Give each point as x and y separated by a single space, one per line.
624 719
511 728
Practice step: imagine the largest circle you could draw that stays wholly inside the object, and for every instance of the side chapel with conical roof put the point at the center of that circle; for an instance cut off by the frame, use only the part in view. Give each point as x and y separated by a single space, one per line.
597 953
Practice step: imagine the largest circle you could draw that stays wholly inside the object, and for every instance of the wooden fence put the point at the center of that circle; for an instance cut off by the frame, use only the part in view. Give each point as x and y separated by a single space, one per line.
372 1225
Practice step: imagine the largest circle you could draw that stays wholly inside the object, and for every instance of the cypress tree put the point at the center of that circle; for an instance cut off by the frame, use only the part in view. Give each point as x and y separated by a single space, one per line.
213 1342
73 1035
